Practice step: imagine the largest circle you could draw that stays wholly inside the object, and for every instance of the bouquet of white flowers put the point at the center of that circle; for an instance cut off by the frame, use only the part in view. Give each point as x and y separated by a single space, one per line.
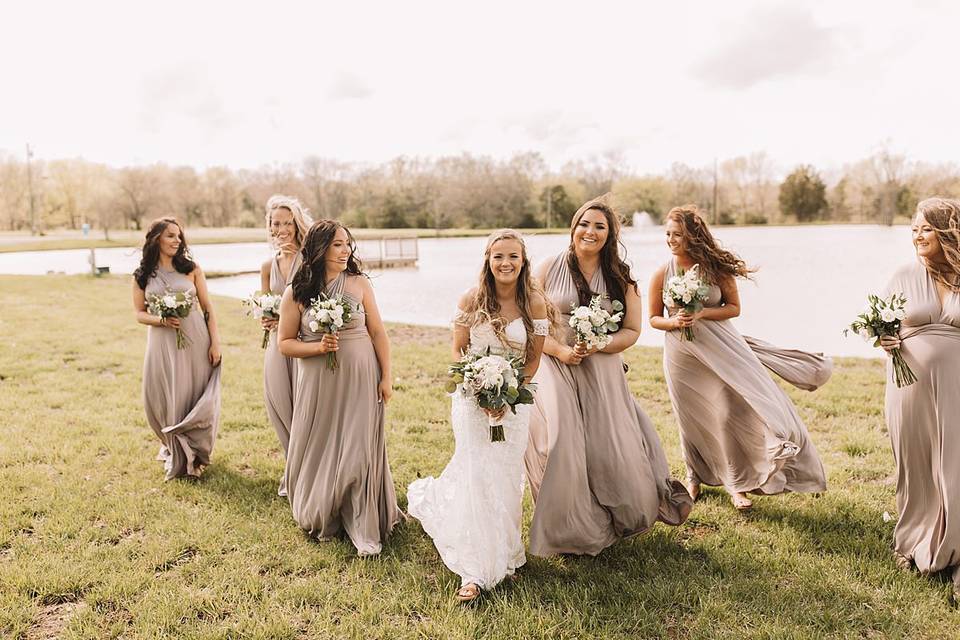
263 305
170 304
687 291
495 381
329 316
593 324
883 318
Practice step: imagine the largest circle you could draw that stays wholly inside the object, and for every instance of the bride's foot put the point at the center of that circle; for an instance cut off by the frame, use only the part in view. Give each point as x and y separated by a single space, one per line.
693 488
468 592
740 501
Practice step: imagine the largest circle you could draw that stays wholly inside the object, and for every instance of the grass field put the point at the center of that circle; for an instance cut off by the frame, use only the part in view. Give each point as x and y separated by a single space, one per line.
93 543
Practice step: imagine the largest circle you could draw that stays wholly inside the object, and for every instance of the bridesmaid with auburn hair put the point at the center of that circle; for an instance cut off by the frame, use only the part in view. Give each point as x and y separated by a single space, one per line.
287 226
181 387
922 417
337 475
595 464
738 429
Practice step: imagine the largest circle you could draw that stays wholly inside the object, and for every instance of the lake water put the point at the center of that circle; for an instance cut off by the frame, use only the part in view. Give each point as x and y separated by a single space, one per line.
812 280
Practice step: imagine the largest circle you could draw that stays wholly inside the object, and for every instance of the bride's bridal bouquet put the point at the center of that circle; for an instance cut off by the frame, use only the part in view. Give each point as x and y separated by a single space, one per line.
593 324
497 382
883 318
263 305
172 304
686 291
329 315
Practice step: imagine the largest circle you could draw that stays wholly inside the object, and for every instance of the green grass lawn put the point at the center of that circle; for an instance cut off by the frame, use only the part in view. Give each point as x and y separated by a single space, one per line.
93 543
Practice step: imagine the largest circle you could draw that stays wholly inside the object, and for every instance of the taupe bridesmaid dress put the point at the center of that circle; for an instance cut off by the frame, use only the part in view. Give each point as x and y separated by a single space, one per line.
738 429
279 371
181 390
337 475
924 424
594 461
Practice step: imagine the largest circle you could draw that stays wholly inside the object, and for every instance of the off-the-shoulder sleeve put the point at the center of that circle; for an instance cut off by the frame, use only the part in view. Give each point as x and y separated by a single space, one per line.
462 318
541 327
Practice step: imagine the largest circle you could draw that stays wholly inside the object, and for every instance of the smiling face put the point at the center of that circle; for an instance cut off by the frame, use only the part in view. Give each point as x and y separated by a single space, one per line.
338 252
676 241
170 240
591 232
282 226
925 239
506 260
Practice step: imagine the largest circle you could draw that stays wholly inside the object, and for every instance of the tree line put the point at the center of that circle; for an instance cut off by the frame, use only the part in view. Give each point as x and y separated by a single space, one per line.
464 191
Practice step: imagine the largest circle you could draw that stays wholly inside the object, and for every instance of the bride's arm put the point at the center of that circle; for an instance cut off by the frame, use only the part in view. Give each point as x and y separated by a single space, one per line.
538 310
461 331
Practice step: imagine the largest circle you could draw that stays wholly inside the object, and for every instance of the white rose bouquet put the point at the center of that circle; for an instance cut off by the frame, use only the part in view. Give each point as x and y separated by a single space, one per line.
329 316
593 324
687 291
495 381
883 318
263 305
172 304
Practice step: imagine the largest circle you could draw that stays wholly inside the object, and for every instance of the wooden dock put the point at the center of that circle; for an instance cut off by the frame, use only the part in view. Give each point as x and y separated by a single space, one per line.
388 252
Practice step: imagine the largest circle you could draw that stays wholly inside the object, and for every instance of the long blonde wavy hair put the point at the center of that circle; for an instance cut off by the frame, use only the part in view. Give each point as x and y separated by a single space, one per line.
715 261
485 308
943 214
301 217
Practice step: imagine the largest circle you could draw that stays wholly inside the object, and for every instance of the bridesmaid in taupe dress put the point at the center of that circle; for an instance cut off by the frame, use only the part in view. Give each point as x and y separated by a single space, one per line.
287 224
924 417
738 429
181 387
596 468
337 475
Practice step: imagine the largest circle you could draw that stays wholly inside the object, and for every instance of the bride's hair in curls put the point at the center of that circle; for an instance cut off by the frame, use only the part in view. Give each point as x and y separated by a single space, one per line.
616 272
716 263
943 214
311 278
301 217
484 306
150 253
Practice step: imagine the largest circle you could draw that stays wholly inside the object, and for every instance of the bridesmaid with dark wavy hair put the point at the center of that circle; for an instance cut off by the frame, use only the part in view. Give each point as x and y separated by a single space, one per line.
738 429
181 387
922 418
595 464
337 475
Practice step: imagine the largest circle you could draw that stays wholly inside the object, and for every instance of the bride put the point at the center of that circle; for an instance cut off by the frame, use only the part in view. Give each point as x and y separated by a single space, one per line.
473 510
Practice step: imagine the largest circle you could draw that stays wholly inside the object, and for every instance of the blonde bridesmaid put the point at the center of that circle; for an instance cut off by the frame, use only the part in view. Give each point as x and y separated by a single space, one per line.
287 225
738 429
337 474
181 387
922 418
596 468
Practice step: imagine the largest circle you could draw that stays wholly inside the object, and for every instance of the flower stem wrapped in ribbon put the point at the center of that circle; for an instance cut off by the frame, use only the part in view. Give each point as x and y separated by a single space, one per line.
593 324
686 291
263 305
329 314
495 381
883 317
172 304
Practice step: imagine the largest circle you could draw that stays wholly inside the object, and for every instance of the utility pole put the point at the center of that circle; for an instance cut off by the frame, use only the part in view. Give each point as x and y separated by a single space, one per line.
33 212
716 194
549 205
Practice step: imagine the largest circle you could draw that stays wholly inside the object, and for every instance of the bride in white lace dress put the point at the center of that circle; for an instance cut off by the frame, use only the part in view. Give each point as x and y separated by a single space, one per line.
473 510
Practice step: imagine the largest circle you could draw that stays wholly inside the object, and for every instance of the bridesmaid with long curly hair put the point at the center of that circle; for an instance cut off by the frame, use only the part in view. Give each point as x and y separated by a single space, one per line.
181 387
287 226
595 464
738 429
337 474
922 417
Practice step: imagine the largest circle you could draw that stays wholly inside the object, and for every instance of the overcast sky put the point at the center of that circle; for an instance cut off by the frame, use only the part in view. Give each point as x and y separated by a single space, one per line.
248 84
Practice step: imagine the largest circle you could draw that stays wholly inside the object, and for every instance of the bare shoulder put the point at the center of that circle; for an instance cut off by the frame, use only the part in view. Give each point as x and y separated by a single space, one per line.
466 300
538 305
266 267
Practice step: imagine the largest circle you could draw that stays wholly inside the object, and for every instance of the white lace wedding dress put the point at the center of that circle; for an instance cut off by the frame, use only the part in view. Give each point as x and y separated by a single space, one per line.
473 510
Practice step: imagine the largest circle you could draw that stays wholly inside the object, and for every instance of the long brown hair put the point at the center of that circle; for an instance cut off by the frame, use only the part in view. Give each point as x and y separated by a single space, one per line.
716 263
943 214
311 278
486 308
150 253
616 272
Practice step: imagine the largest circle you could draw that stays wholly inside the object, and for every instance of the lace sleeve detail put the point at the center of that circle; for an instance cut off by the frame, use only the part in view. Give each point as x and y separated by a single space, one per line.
541 327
